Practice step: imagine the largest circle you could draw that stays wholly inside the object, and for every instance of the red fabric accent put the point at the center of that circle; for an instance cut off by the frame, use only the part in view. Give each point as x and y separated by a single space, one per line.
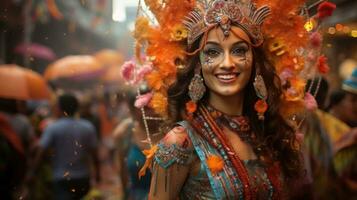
325 9
273 173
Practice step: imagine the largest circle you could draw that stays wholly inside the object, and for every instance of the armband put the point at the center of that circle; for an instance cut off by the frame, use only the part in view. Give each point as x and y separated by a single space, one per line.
166 155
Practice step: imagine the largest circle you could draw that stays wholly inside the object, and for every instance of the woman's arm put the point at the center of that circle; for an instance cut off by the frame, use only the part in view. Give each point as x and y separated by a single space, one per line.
121 129
171 165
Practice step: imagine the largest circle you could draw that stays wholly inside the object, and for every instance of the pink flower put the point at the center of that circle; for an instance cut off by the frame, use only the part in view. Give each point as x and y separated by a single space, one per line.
316 39
127 70
285 75
143 100
310 102
144 70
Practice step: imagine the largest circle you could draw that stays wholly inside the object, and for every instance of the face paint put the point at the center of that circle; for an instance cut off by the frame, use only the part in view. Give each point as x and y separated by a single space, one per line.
226 64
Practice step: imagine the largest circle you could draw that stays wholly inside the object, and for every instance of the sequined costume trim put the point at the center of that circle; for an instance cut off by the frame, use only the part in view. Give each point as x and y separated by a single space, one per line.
167 155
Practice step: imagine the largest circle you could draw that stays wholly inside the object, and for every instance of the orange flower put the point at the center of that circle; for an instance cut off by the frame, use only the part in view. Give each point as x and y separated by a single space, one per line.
178 33
149 154
261 106
191 107
159 104
215 164
142 28
172 14
154 80
296 91
290 108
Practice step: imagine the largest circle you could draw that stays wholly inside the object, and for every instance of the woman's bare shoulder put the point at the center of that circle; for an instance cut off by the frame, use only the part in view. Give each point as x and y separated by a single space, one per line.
178 136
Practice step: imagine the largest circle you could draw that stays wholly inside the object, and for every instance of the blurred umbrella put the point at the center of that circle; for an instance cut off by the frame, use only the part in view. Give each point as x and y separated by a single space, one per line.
35 50
112 75
109 57
111 60
21 83
75 72
82 67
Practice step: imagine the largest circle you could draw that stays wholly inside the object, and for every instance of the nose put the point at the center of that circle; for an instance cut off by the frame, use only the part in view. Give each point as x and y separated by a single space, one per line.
227 61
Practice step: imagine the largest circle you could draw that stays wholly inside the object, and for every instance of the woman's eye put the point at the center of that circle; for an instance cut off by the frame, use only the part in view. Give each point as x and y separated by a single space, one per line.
239 51
212 52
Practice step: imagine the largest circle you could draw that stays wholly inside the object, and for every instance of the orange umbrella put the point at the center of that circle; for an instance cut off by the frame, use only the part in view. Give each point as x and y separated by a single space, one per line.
112 75
109 57
20 83
80 67
111 60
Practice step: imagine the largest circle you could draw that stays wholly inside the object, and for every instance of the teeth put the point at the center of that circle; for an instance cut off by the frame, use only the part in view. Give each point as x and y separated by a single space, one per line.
226 76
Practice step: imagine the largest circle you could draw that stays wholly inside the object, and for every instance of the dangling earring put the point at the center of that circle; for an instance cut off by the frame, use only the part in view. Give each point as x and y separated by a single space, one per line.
196 90
261 105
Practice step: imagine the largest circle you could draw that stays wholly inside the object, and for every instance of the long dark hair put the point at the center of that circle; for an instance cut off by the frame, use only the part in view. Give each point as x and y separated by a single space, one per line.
274 137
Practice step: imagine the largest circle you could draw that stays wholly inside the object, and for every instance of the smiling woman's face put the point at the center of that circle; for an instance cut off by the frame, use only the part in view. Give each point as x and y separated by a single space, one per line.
226 62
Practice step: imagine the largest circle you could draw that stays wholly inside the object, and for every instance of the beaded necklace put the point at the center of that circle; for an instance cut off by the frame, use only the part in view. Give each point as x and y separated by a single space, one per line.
237 124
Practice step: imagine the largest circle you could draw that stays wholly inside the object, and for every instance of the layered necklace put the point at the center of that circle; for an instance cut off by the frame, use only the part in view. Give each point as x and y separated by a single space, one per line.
238 124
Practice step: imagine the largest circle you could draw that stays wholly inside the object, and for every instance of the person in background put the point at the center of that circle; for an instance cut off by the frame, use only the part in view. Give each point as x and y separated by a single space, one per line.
12 160
317 147
345 148
130 139
41 117
87 114
331 125
73 143
343 103
13 110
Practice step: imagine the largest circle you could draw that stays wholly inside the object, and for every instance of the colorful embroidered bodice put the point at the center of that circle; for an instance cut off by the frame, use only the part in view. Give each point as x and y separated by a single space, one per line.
206 185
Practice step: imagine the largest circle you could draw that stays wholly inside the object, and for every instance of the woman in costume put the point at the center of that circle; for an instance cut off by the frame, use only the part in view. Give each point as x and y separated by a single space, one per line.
224 149
227 137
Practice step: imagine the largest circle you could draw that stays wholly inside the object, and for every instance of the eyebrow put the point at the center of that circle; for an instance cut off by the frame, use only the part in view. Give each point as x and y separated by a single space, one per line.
218 44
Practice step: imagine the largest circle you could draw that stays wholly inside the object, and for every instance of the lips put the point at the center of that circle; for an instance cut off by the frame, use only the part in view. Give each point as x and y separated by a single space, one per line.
227 77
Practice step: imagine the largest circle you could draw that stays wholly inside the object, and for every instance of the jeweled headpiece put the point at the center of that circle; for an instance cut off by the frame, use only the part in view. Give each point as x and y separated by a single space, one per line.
225 13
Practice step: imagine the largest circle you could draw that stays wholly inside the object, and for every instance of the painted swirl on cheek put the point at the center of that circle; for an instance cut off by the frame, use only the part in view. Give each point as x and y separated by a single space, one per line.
243 62
206 61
